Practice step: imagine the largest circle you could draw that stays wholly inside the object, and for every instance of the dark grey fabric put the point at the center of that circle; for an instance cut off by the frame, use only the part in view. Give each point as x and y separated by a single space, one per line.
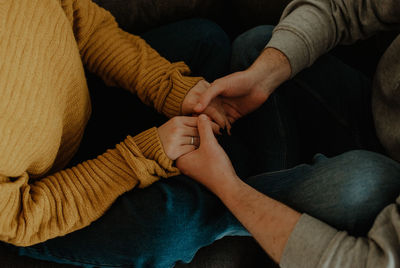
10 259
235 16
140 15
257 12
231 252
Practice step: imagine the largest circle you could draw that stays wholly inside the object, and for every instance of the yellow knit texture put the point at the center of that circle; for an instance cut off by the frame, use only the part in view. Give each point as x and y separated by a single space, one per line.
45 105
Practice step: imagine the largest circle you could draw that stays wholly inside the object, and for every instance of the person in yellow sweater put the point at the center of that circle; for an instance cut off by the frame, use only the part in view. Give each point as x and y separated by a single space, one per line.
47 197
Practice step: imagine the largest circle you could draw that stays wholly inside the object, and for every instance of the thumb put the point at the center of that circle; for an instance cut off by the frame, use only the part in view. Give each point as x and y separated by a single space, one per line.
213 91
205 129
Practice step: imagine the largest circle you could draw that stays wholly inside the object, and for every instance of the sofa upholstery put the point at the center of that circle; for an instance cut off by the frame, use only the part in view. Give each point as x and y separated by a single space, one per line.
140 15
234 16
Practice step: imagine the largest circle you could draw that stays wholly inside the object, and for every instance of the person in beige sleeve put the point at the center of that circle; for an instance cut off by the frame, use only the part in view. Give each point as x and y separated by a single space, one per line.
335 211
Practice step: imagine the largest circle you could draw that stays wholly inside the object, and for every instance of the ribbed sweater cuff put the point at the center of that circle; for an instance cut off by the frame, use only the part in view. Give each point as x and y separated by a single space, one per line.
307 243
295 48
4 179
151 147
173 103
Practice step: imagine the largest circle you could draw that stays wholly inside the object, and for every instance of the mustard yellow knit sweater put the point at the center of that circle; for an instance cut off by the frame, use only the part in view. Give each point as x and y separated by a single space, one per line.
45 105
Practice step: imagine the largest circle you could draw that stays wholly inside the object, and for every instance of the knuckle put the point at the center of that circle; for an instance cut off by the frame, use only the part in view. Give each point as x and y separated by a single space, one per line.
191 101
176 129
176 121
216 81
180 163
205 83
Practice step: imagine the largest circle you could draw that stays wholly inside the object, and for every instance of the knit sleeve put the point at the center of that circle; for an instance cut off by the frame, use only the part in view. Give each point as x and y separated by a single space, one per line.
35 210
126 60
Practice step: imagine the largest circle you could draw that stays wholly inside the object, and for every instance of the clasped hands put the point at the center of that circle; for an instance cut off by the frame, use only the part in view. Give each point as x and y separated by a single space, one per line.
218 105
225 101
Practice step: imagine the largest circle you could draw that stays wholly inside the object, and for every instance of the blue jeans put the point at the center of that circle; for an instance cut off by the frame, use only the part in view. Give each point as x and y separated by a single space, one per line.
172 219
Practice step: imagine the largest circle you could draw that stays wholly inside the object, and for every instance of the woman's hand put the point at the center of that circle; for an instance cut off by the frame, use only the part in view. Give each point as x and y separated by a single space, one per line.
209 164
214 107
179 135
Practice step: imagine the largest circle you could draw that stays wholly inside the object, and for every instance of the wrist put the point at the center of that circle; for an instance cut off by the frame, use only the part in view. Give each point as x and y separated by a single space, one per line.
192 95
270 70
230 187
173 105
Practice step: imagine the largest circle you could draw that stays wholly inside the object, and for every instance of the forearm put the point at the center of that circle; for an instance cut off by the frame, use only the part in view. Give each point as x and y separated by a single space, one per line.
269 221
127 61
35 210
62 202
291 239
312 243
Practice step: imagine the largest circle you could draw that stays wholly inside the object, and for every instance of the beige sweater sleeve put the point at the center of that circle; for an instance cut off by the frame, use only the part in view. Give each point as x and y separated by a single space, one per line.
126 60
316 244
310 28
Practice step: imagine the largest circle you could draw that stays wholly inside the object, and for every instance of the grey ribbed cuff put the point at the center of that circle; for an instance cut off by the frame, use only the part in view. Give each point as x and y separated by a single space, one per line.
307 243
293 46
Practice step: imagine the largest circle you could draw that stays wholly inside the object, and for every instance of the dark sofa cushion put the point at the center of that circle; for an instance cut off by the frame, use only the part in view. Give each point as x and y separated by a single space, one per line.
252 13
9 259
137 16
231 252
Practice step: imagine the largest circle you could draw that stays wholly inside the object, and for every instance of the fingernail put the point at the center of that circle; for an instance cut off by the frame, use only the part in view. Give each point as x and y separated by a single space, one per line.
197 107
203 117
223 131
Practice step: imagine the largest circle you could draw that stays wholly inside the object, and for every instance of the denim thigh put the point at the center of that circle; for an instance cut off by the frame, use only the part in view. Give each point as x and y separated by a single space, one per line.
346 191
326 108
152 227
172 219
200 43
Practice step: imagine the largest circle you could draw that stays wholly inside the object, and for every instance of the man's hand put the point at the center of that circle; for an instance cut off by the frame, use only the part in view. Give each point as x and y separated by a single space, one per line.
239 93
243 92
214 107
269 221
179 135
209 164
